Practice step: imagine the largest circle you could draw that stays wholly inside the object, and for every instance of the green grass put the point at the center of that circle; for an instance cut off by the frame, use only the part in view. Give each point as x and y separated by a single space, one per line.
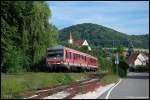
110 78
14 85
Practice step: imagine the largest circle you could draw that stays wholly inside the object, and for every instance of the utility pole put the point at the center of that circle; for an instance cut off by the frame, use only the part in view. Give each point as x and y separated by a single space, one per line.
113 49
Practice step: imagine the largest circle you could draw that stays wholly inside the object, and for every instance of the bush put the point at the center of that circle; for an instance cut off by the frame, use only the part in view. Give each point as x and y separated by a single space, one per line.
122 68
14 61
142 68
105 65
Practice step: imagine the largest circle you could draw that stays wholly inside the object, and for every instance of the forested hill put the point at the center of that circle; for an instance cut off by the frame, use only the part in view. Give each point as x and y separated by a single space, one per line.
98 35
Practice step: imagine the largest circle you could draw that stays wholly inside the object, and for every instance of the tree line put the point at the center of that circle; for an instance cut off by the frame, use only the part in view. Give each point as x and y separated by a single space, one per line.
101 36
25 34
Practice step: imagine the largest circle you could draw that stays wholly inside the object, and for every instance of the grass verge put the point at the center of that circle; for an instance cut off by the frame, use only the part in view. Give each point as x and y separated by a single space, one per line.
14 85
108 79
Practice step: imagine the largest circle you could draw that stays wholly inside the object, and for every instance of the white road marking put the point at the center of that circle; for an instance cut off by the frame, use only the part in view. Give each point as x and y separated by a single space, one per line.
112 89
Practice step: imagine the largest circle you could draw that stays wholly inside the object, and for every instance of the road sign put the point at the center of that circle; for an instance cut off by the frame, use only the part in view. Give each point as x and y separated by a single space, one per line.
117 59
117 62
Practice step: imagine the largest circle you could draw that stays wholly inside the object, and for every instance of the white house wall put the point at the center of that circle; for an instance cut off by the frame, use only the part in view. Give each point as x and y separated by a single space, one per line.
140 60
86 44
141 57
137 62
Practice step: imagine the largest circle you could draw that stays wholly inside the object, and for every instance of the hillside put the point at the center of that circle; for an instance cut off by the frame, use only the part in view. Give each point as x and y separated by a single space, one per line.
98 35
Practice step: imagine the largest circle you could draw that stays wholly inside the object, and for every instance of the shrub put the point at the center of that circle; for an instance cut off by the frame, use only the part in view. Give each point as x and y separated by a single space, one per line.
142 68
122 68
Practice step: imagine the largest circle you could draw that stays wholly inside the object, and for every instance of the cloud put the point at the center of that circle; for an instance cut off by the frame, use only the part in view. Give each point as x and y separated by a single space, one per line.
125 16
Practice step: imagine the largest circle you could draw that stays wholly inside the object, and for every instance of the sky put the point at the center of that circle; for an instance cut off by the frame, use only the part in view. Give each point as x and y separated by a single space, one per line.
130 17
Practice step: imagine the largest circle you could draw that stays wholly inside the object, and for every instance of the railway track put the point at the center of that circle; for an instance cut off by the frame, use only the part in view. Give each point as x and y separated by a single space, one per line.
73 88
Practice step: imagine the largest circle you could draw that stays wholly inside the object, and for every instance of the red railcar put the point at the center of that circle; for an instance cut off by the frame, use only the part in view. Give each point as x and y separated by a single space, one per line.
61 56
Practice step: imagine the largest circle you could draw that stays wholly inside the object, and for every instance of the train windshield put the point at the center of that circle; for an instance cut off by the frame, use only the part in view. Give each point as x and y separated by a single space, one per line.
55 54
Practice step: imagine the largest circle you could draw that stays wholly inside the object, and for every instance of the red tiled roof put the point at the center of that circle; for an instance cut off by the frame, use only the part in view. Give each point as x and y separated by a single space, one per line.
132 58
79 42
146 55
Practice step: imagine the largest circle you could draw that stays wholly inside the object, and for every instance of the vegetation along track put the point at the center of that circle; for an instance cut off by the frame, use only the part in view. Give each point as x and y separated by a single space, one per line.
50 91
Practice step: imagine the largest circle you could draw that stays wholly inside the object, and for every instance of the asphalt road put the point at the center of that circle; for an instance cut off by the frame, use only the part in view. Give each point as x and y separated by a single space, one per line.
134 86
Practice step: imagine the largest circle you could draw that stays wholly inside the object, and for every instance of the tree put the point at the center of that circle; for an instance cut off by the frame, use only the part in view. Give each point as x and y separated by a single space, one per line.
120 49
26 34
83 49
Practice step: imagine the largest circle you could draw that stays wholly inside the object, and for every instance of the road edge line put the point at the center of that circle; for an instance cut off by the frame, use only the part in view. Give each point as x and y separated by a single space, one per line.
107 96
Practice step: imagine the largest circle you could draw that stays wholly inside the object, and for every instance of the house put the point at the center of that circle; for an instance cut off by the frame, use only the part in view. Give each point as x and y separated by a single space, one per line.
146 55
137 58
78 43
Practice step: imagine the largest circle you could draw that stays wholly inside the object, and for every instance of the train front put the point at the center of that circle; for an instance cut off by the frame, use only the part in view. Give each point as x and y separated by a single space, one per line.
55 57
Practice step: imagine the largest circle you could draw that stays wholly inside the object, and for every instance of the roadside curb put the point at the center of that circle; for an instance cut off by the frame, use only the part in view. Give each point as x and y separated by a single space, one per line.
107 96
115 84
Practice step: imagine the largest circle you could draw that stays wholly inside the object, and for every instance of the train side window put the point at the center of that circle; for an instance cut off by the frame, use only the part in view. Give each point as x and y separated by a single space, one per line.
74 56
78 56
69 55
66 54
